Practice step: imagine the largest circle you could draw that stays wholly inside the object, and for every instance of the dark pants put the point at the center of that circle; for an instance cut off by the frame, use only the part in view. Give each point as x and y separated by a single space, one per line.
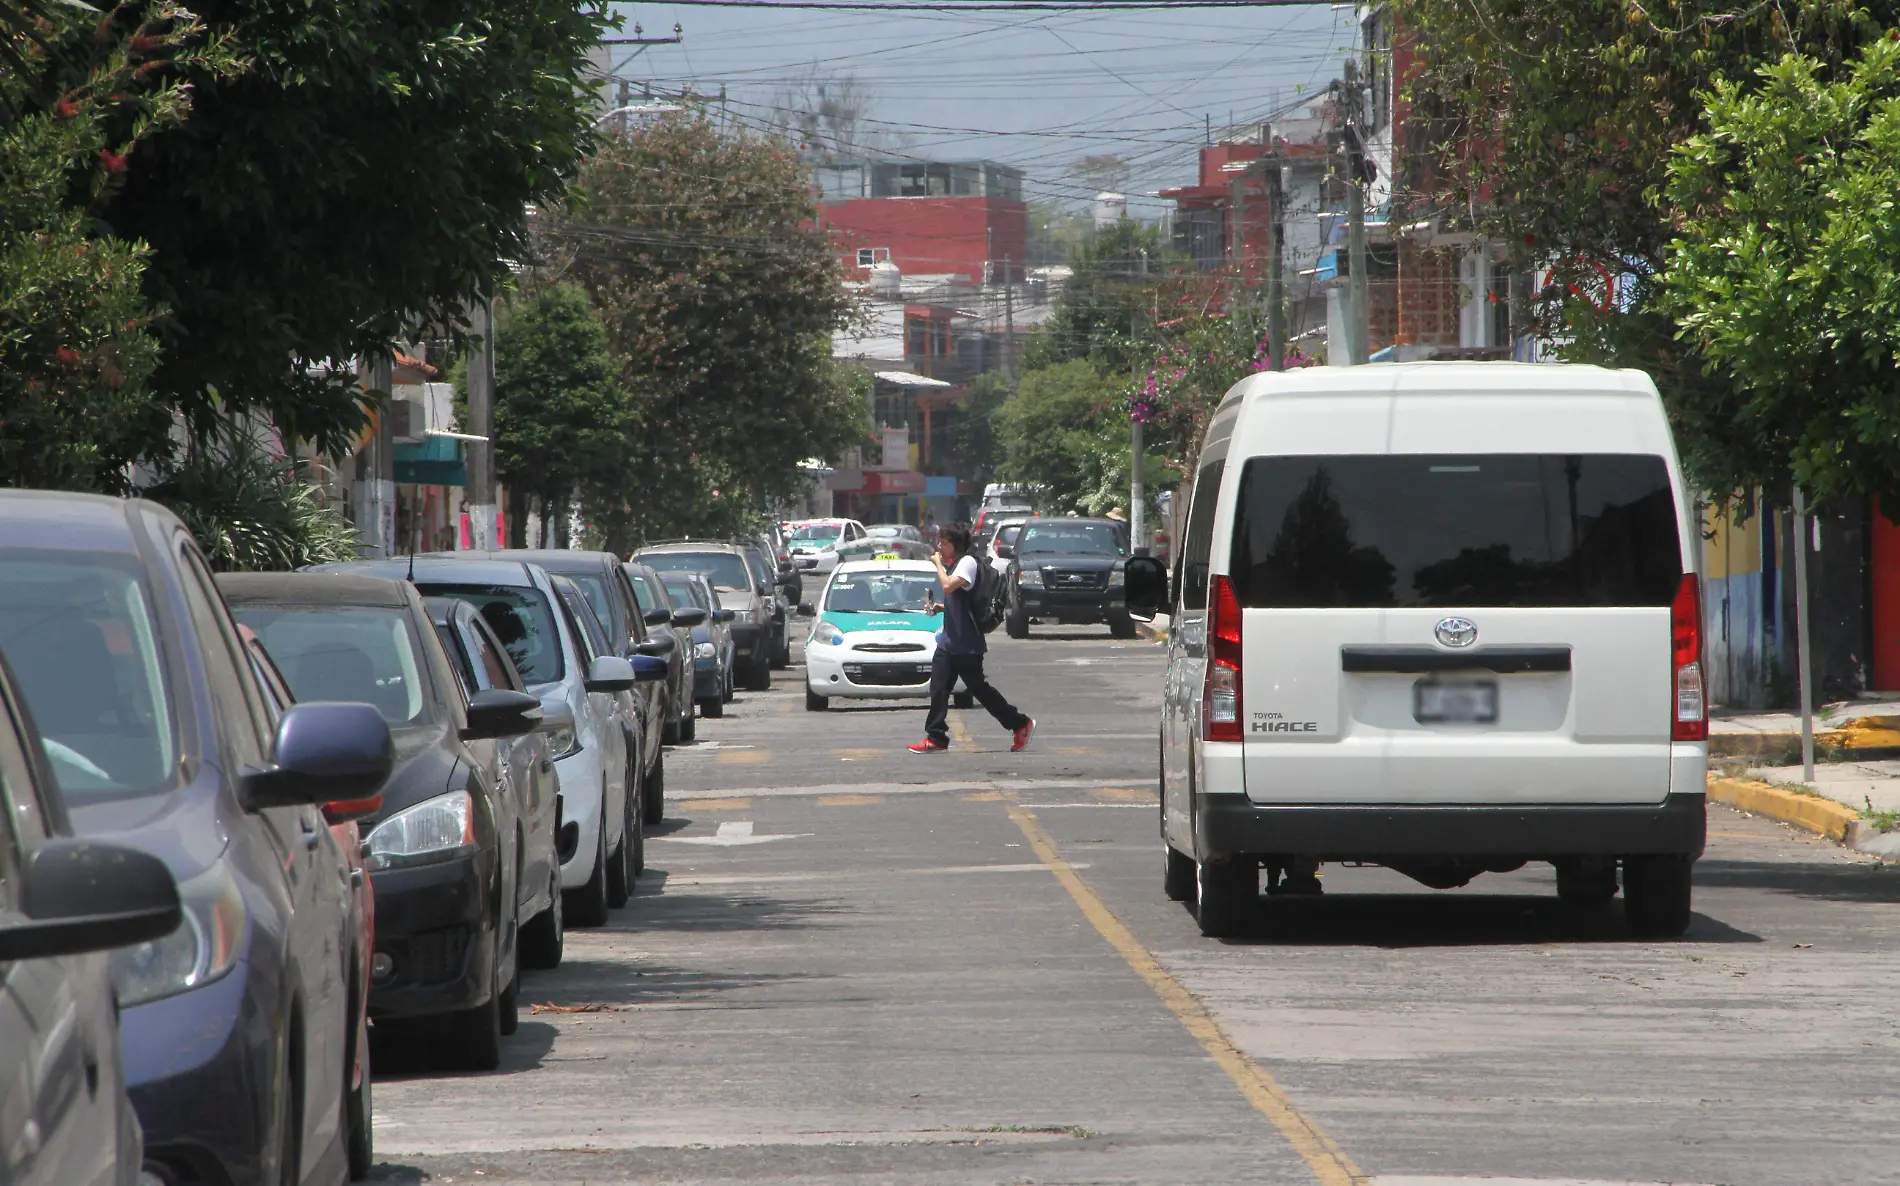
945 670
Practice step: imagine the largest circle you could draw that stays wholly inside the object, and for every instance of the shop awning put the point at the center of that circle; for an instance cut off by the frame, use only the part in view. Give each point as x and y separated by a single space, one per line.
437 461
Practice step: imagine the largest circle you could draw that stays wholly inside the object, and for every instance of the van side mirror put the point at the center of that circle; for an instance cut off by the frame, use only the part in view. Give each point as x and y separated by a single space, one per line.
81 895
1146 582
322 752
501 712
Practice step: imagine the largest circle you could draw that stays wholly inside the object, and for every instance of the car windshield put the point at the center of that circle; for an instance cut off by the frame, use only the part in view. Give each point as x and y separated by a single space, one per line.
685 593
79 633
882 592
818 533
341 652
1438 531
724 569
1071 539
523 620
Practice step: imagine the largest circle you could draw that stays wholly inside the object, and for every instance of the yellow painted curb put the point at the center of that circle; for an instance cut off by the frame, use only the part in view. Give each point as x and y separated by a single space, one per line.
1824 816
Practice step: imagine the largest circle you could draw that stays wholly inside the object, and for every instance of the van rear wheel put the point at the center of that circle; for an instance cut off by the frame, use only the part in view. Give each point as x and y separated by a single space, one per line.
1177 876
1225 894
1657 894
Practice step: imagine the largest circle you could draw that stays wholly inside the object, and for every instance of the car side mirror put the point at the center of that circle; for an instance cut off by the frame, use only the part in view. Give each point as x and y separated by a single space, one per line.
656 617
1006 551
323 752
1146 584
726 615
659 644
609 673
648 669
342 811
805 610
501 712
81 895
555 715
691 616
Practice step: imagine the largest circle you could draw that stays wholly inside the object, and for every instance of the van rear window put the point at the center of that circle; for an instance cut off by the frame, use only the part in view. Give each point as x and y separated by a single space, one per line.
1442 531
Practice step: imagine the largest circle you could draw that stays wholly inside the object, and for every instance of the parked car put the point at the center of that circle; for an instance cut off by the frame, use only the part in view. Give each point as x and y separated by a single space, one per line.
597 759
63 906
894 531
815 542
725 566
343 819
1000 546
648 670
1420 609
237 1034
447 846
779 642
482 664
712 640
664 626
1069 571
779 548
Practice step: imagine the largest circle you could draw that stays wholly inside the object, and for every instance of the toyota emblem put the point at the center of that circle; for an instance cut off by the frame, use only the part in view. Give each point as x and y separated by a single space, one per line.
1457 632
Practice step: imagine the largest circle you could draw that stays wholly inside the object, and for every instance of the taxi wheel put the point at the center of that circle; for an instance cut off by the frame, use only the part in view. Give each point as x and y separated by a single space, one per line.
816 703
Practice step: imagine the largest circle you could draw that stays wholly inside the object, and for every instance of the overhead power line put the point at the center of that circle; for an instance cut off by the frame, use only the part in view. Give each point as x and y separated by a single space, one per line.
900 6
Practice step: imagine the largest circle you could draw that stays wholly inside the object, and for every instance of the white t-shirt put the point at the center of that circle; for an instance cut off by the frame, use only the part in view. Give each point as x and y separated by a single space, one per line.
966 571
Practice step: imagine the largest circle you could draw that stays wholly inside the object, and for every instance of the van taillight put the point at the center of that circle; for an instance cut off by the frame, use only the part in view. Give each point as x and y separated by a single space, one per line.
1685 640
1220 709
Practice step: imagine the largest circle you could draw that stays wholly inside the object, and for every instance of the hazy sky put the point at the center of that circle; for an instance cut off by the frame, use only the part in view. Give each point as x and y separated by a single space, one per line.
1038 90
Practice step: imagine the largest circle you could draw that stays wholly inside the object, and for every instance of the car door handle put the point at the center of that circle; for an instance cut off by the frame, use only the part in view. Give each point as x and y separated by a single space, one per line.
311 834
356 879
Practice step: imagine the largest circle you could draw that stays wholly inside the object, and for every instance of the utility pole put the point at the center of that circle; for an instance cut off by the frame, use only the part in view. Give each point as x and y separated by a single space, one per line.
375 484
1806 659
480 498
1276 264
1236 234
1359 329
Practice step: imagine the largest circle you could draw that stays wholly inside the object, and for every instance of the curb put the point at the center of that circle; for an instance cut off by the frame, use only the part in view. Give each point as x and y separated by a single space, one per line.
1865 739
1822 816
1151 632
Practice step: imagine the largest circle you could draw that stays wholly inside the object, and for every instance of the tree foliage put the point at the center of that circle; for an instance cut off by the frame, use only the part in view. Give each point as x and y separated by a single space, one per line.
249 509
1786 269
562 422
1066 432
368 173
719 293
81 89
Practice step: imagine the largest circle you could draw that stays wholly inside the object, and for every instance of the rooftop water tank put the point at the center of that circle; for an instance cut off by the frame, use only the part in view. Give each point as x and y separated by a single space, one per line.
886 280
1110 208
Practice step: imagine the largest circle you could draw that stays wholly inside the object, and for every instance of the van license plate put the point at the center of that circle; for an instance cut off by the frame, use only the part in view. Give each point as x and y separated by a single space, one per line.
1437 702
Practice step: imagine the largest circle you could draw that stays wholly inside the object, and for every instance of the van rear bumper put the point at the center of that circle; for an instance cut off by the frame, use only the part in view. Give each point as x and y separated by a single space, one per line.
1234 824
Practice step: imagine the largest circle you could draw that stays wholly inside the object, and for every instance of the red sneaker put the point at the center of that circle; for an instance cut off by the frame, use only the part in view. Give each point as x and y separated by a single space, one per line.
1022 737
927 746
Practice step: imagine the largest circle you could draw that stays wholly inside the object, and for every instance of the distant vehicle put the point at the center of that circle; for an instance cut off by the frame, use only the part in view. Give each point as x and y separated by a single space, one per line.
712 640
874 633
447 847
815 543
731 576
873 548
894 531
1446 618
988 516
670 637
64 905
1002 494
1000 547
236 1027
597 760
1068 571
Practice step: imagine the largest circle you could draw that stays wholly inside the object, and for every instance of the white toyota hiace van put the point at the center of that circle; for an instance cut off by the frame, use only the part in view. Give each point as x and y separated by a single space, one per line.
1443 617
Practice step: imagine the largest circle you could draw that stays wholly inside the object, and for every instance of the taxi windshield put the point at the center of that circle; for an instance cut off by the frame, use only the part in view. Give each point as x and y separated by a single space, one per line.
817 533
883 593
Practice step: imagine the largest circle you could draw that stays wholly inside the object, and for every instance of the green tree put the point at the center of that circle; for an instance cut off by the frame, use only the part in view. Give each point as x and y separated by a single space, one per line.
368 173
562 422
1786 269
720 292
79 91
1120 280
1066 431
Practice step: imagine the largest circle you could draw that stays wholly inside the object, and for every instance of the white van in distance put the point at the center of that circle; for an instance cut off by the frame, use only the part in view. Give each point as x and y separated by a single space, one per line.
1442 617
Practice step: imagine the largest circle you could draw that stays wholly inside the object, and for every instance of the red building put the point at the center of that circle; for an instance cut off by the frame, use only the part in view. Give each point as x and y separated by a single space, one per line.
961 219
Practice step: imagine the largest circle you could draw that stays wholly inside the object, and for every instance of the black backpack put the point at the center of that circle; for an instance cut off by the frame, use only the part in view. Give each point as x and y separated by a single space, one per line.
989 602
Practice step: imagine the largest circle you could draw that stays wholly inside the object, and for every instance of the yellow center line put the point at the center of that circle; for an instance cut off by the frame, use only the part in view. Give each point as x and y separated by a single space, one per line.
715 804
849 800
958 733
1329 1163
743 757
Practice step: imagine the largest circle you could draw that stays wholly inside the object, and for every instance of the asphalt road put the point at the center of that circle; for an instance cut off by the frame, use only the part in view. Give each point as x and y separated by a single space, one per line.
851 964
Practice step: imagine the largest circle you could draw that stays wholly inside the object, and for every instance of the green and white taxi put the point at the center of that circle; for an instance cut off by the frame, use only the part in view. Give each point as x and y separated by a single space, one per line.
875 632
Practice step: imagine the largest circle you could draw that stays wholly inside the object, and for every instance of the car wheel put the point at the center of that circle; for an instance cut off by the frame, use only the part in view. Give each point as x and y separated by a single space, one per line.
290 1112
1585 888
617 880
653 804
511 1005
1225 894
816 703
588 904
670 732
781 655
545 937
1657 894
357 1113
726 688
759 676
713 707
1121 626
1177 878
473 1040
689 724
963 699
1016 624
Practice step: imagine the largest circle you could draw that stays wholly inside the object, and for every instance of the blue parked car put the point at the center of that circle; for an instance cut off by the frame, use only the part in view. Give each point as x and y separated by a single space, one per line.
237 1034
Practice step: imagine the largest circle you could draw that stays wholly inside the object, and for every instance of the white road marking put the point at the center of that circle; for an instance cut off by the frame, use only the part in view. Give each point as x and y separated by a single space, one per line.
914 788
1433 1180
733 832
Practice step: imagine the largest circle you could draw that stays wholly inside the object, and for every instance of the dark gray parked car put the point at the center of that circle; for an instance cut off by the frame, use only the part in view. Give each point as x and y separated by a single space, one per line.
671 625
726 567
712 640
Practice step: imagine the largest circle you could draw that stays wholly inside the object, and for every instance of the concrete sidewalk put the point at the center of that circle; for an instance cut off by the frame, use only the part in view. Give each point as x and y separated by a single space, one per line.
1850 730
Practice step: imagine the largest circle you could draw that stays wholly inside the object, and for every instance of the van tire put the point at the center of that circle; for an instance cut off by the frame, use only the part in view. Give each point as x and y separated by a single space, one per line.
1657 894
1177 877
1225 895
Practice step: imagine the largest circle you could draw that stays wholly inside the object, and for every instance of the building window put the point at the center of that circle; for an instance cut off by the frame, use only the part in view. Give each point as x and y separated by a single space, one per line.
872 255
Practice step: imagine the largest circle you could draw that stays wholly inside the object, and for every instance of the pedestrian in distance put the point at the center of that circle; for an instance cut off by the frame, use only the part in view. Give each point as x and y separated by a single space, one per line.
960 649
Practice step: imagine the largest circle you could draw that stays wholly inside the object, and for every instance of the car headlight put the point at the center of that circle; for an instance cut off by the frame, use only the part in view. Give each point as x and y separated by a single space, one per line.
433 830
202 949
1029 578
564 743
742 617
703 650
828 634
1115 578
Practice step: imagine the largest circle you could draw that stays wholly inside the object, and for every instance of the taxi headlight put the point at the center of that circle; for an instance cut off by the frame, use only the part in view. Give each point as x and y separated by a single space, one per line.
828 634
202 949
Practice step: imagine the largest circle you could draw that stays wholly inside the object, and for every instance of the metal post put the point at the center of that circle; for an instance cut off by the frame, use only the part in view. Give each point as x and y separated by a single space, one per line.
1805 658
1276 263
1359 325
1236 235
1137 495
480 499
